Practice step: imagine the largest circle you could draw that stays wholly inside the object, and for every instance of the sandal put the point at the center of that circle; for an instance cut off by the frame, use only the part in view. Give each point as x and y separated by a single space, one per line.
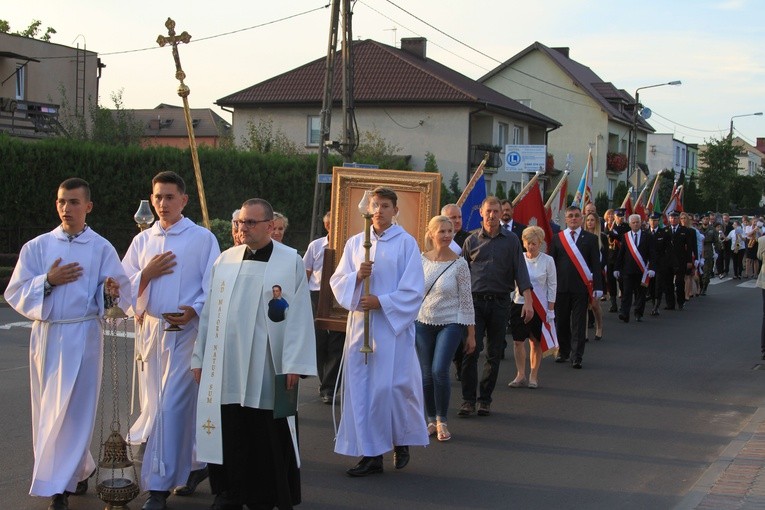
431 428
443 432
517 383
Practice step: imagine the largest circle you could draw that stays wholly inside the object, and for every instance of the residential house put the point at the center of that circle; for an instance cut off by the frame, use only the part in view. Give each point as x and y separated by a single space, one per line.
595 113
411 101
166 125
44 85
665 152
751 160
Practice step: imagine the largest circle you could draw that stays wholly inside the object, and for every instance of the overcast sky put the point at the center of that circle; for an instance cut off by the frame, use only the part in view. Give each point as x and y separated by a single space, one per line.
716 47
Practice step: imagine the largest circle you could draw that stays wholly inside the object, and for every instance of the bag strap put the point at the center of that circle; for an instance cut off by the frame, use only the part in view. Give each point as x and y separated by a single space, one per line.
439 276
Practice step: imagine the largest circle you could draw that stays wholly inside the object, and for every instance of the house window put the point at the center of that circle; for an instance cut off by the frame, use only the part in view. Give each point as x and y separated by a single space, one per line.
677 156
503 133
611 188
313 137
20 80
517 135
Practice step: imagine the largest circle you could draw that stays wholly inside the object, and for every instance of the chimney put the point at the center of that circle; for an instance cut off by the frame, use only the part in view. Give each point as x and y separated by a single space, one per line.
562 51
154 123
760 144
414 45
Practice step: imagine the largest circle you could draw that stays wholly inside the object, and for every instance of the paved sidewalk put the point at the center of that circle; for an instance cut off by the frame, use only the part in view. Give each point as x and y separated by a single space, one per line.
737 479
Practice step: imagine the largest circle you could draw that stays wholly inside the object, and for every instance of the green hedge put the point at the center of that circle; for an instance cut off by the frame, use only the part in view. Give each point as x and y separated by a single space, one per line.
121 176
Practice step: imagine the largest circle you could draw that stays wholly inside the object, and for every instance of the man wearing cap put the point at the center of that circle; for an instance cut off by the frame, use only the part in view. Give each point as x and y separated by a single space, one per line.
682 245
660 243
615 238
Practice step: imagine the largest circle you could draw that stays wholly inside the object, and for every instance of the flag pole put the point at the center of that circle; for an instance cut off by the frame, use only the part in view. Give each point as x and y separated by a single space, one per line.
557 189
526 188
652 196
471 183
627 197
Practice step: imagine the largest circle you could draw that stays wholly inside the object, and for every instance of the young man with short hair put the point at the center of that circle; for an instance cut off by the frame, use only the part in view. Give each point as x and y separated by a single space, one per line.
60 283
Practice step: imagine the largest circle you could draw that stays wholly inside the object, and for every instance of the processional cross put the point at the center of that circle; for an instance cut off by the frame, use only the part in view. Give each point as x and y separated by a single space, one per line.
184 91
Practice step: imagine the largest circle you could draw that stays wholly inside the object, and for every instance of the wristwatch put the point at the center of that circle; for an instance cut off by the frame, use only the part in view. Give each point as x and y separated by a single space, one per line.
47 286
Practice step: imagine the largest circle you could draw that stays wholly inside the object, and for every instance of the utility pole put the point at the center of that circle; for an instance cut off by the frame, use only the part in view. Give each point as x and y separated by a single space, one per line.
346 146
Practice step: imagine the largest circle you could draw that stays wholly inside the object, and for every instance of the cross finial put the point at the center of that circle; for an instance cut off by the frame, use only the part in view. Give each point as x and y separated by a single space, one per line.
173 40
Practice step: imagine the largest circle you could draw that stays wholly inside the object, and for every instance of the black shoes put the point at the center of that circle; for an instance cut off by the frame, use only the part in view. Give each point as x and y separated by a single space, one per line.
400 457
466 409
638 318
625 318
655 312
598 338
561 358
195 478
484 409
59 502
157 500
326 399
369 466
577 363
613 308
680 307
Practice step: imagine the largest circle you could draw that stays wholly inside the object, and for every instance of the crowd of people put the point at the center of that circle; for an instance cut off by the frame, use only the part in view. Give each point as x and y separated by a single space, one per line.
215 396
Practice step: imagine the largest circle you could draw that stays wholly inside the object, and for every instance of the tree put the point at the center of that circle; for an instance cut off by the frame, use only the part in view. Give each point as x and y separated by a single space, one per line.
620 192
107 126
431 166
718 166
745 192
31 31
376 150
263 137
601 202
500 192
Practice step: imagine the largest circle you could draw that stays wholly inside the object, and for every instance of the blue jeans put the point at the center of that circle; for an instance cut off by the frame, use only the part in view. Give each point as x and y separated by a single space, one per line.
435 349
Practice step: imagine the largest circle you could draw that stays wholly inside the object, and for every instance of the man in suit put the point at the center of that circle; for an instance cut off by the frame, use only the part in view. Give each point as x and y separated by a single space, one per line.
727 251
615 234
506 221
661 267
682 245
632 266
568 248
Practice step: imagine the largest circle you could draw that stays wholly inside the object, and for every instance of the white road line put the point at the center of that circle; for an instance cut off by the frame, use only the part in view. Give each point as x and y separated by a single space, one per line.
749 284
715 281
28 325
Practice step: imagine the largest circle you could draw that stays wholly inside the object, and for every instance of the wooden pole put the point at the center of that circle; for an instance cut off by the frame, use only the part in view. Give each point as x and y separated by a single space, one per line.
526 188
183 92
557 190
471 183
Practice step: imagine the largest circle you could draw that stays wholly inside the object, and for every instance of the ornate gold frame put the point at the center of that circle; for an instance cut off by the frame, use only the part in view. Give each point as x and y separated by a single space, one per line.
418 201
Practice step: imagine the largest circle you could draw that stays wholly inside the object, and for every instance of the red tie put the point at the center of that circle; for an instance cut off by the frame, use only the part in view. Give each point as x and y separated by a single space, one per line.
573 235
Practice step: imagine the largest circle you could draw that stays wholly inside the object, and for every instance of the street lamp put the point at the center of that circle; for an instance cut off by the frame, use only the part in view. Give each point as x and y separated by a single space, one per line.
730 135
632 157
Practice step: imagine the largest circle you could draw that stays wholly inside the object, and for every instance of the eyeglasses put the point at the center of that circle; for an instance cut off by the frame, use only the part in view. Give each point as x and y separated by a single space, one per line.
248 223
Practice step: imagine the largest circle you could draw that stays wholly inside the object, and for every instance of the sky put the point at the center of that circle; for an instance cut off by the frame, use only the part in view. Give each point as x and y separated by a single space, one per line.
715 47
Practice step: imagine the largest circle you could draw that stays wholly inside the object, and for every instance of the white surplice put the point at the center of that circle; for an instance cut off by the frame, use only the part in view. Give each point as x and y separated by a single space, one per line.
169 412
66 351
240 349
382 400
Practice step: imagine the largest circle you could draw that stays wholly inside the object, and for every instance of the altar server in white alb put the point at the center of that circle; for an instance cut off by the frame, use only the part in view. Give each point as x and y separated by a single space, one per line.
169 267
257 324
382 400
60 282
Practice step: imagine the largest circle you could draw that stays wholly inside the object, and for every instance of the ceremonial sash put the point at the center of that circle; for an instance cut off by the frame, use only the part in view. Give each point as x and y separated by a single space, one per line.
577 259
209 434
549 340
638 258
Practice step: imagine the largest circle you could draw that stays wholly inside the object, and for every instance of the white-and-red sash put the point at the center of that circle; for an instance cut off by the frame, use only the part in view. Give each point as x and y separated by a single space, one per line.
549 340
577 259
638 258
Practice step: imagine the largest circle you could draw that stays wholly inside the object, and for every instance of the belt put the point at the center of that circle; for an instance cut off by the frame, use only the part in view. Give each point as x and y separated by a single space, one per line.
489 296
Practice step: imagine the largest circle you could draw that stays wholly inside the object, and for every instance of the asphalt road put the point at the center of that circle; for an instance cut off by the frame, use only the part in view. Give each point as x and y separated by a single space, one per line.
654 407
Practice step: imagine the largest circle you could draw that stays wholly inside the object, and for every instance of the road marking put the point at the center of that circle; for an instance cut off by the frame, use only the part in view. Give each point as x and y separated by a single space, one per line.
715 281
749 284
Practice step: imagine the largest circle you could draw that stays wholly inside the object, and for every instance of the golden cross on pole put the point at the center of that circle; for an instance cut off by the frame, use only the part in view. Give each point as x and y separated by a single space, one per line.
184 91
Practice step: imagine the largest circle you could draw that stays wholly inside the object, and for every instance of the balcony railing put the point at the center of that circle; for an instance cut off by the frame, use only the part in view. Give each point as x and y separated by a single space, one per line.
478 151
29 118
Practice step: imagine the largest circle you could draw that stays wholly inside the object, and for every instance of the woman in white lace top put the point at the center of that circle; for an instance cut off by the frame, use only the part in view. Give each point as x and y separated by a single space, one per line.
545 282
445 317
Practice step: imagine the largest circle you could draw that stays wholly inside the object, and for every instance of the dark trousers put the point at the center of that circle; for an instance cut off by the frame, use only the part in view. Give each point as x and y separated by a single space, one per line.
632 286
612 282
329 352
727 255
738 260
655 289
762 331
571 323
674 286
491 320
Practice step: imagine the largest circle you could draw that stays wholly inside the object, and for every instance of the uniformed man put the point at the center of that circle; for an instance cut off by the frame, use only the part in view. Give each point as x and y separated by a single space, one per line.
660 241
711 243
682 246
615 234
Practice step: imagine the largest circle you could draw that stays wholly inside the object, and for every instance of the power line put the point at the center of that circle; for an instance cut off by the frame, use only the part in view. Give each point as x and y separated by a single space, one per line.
149 48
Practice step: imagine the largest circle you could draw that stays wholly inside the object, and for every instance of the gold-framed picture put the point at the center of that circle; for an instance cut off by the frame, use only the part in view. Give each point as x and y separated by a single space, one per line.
418 201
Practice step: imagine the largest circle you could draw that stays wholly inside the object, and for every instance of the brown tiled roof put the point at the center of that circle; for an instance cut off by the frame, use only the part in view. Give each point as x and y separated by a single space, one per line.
382 75
583 76
169 120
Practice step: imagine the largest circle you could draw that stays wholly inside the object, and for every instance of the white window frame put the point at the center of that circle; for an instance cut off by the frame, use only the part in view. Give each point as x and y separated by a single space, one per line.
21 75
517 135
503 132
313 130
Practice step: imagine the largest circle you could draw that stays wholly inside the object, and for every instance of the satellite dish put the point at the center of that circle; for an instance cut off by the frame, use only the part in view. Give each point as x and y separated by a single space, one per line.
646 113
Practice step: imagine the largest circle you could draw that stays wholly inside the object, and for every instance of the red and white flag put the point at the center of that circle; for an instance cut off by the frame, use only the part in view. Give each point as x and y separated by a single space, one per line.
531 211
